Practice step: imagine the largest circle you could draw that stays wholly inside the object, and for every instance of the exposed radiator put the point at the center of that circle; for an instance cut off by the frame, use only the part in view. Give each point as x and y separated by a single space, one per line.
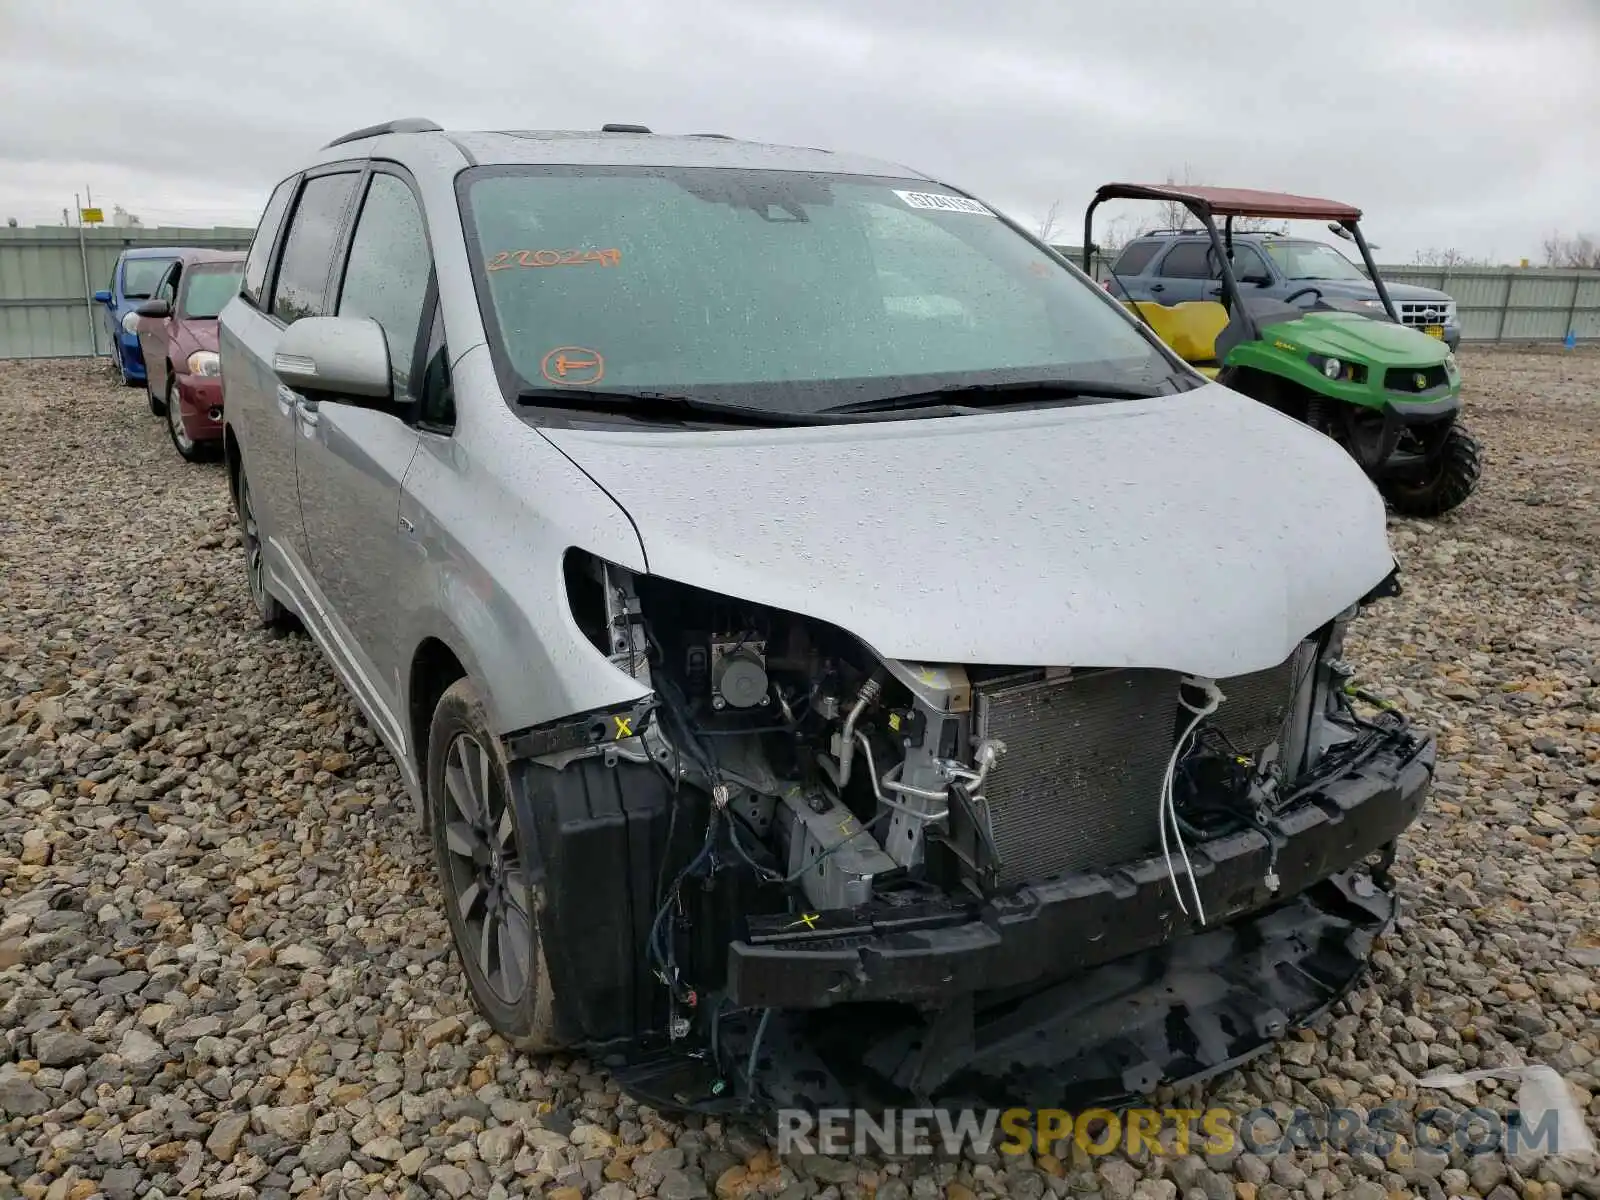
1078 784
1256 711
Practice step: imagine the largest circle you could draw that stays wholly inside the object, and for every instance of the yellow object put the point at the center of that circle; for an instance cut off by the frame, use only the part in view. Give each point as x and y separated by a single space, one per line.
1190 328
91 216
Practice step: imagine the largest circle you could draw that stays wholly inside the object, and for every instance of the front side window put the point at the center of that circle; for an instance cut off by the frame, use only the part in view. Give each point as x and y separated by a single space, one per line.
1246 261
255 266
1187 260
168 290
210 286
388 271
302 286
141 276
1312 260
782 290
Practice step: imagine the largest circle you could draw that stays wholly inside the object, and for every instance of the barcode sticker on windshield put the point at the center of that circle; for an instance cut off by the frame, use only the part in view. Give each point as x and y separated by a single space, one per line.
939 202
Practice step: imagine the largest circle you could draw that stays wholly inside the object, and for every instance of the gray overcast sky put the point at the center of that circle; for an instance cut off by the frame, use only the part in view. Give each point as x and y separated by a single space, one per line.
1465 123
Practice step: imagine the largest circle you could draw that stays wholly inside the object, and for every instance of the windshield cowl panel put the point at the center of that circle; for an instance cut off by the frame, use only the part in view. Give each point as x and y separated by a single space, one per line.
784 292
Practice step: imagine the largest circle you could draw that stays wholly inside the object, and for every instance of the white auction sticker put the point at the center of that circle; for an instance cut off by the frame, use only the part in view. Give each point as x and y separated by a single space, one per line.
939 202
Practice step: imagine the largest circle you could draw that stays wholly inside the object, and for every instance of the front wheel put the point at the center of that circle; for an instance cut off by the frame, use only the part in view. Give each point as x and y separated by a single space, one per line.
1452 476
272 613
186 446
485 858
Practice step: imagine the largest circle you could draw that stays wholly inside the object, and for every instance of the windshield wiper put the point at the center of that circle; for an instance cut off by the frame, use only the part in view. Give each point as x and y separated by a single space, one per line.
659 406
983 395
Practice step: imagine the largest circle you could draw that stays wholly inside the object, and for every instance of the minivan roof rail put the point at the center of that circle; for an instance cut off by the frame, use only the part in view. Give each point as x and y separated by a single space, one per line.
403 125
619 127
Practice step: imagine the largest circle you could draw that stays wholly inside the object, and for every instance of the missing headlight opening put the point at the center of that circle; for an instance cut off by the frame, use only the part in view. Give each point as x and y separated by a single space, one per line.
941 845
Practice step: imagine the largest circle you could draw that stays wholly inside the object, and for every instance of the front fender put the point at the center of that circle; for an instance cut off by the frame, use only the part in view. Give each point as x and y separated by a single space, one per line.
493 510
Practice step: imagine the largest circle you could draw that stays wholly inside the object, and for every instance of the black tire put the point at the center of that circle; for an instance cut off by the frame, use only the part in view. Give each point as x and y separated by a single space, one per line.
273 614
122 369
1455 476
484 856
188 449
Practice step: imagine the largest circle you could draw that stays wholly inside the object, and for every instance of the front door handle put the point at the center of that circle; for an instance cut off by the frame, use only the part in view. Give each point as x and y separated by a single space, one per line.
1158 287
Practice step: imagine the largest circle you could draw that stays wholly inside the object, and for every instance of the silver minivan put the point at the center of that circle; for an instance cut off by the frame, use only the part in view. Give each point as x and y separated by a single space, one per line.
836 652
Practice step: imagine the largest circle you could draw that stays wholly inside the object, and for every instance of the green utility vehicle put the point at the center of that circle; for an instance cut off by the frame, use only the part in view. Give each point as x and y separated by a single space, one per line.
1388 393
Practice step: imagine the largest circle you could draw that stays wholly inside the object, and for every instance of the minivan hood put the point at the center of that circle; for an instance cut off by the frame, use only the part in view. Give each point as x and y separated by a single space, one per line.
1200 532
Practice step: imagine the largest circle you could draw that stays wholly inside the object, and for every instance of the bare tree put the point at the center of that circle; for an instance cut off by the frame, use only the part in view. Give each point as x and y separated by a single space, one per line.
1175 215
1448 258
1580 250
1117 234
1047 227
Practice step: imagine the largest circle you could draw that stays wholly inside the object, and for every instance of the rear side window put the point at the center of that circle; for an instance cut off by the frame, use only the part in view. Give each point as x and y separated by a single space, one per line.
255 266
302 286
1136 257
1186 260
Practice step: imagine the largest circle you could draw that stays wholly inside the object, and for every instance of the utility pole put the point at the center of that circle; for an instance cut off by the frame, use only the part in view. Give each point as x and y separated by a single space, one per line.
88 293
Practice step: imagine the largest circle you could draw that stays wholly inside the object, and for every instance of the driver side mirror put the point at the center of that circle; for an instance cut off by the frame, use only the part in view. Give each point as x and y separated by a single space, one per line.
343 358
103 296
154 308
1259 278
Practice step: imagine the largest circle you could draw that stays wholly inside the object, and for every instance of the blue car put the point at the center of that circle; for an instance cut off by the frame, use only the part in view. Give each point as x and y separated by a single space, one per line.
133 281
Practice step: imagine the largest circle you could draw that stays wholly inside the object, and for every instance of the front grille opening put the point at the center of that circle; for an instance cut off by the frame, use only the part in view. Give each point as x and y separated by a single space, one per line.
1415 379
1079 784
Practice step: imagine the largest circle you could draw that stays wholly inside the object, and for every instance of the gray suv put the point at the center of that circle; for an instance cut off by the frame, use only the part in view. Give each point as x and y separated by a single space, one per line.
833 647
1171 267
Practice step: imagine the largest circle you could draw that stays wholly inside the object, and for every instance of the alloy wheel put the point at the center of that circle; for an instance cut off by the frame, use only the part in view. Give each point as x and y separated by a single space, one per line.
180 436
252 545
486 880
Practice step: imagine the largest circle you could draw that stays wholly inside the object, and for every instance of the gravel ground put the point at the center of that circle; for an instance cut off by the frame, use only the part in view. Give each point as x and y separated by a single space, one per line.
223 970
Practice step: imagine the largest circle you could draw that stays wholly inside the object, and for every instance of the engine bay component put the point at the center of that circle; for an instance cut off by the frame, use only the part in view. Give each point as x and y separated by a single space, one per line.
827 827
834 858
738 673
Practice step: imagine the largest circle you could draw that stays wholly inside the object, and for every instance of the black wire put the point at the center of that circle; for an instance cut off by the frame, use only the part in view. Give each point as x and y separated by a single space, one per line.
771 876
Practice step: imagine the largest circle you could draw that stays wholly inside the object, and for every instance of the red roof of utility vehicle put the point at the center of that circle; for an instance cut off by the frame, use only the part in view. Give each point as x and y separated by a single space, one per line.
1235 202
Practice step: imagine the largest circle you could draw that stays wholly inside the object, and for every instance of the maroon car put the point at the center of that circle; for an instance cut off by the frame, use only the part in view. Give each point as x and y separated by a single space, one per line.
178 336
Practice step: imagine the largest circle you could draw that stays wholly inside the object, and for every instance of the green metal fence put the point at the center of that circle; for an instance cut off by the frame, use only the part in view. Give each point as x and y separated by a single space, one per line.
47 277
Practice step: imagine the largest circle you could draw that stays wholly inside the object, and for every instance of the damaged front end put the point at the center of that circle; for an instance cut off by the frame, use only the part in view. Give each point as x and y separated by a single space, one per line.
796 875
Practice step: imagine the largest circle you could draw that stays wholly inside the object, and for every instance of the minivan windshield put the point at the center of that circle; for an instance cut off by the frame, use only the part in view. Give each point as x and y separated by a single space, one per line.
786 291
1311 260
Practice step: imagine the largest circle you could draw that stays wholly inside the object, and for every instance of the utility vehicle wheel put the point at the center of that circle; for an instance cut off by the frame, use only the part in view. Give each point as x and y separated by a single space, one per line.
187 447
485 859
1455 475
273 614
